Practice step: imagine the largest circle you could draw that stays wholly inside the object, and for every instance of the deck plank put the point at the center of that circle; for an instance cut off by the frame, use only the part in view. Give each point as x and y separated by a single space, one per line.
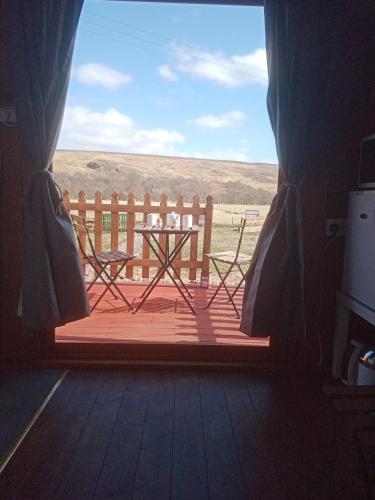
62 433
164 318
225 479
80 476
118 472
22 391
251 450
154 467
22 465
189 471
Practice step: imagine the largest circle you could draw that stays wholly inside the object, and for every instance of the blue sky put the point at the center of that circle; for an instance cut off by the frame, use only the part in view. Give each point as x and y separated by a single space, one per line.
168 79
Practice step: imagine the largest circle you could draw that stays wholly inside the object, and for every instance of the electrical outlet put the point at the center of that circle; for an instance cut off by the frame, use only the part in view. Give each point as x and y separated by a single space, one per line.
335 227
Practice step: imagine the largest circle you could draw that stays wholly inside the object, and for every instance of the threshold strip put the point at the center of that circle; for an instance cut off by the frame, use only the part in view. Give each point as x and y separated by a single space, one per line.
14 447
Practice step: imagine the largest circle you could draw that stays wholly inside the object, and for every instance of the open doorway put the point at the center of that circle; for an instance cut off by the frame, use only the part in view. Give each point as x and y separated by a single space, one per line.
166 113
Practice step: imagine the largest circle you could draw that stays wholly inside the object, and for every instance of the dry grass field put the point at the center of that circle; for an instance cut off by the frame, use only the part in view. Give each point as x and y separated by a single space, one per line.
234 186
227 181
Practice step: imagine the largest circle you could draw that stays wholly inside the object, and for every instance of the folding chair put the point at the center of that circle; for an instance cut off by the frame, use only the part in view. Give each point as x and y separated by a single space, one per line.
235 260
99 261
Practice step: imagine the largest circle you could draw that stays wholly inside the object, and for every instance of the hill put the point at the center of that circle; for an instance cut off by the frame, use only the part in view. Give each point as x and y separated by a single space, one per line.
227 181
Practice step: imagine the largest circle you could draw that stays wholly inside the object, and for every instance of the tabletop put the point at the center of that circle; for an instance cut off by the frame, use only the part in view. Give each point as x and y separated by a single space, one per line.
145 228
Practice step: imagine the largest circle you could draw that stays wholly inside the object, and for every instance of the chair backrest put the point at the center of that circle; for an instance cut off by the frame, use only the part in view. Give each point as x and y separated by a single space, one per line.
79 224
242 229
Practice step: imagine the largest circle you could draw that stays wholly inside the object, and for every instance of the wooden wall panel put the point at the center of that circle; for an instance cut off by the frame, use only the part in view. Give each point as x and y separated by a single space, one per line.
13 343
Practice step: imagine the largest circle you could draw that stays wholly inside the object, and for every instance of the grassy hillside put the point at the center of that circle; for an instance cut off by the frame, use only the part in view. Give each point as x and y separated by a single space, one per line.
227 181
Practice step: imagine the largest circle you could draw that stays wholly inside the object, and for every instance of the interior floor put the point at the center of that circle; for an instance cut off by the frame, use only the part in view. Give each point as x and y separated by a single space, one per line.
21 393
182 435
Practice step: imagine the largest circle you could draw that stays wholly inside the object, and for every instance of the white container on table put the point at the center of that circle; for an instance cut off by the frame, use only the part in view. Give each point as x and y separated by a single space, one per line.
187 221
152 219
173 219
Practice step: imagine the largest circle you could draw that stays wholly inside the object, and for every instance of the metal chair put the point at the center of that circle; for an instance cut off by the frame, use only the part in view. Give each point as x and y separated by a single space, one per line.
235 260
99 261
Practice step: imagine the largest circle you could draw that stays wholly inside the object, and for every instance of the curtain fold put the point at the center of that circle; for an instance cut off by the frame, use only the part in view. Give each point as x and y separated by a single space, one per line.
42 36
313 89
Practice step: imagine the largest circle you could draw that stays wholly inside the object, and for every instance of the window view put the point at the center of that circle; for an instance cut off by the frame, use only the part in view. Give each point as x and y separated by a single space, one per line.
166 124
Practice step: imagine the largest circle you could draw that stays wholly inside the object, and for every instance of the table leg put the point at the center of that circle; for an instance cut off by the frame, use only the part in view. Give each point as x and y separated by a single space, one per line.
168 260
160 271
168 264
170 257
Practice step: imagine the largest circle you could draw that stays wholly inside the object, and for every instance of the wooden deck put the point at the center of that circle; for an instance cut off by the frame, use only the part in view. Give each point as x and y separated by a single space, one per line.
164 318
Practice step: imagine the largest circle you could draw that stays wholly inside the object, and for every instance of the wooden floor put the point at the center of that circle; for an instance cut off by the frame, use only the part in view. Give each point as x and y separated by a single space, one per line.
21 393
181 435
163 318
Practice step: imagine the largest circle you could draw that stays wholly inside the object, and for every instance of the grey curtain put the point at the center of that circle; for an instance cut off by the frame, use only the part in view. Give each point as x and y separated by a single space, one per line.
42 35
316 55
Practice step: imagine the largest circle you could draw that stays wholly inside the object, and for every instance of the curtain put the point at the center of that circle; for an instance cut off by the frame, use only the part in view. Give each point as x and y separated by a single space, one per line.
316 56
42 36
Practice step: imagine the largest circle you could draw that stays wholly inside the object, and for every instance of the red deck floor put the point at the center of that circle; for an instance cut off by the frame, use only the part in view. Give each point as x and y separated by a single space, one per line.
164 318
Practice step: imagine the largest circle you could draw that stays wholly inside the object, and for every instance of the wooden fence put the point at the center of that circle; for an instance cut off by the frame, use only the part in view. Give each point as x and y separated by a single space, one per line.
99 207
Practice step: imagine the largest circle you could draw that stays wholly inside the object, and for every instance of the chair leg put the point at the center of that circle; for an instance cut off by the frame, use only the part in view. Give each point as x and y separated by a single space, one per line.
106 288
112 282
217 289
222 284
230 296
99 275
109 284
241 280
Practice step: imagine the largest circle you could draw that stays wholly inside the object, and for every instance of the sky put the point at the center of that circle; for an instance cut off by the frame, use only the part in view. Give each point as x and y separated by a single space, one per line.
168 79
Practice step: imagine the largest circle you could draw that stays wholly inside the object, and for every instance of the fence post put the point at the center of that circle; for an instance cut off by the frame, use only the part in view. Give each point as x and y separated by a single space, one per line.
98 223
194 241
178 237
146 246
66 200
162 237
114 228
82 232
130 235
207 242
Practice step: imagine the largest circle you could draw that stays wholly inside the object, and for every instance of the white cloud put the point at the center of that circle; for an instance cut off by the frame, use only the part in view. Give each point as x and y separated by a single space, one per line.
162 102
111 130
100 74
219 154
232 71
166 73
226 120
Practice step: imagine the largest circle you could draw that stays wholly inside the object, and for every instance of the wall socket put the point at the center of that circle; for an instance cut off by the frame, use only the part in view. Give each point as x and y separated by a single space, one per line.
336 227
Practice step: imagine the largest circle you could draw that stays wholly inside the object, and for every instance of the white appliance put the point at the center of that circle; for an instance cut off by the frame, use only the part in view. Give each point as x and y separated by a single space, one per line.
359 266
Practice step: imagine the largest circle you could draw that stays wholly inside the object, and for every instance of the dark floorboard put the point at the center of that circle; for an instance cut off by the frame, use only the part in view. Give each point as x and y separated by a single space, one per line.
21 394
160 435
154 467
189 456
116 478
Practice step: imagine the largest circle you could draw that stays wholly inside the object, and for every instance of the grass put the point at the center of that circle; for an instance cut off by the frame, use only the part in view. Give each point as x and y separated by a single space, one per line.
226 181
